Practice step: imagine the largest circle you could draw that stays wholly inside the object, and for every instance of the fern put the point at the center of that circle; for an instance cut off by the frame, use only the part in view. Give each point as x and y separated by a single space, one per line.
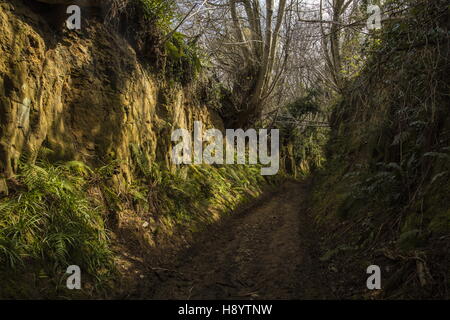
52 221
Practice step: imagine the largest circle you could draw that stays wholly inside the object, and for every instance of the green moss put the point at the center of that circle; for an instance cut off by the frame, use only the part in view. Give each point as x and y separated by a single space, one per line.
161 11
183 61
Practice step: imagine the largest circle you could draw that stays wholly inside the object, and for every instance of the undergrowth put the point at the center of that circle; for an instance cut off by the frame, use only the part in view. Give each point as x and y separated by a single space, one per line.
49 222
58 215
388 157
150 27
304 134
190 194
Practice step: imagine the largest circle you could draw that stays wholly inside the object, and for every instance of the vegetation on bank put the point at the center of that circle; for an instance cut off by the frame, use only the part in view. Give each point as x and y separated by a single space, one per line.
149 26
387 172
63 214
304 133
51 220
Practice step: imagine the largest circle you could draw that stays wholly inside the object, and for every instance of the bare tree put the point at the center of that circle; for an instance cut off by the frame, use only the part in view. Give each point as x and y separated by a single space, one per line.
332 36
248 41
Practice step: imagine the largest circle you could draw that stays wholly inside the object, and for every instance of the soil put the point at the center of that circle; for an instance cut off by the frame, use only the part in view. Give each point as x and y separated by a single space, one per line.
265 252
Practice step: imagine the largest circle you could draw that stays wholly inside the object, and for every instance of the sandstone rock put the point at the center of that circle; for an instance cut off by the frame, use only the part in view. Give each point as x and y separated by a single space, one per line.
83 97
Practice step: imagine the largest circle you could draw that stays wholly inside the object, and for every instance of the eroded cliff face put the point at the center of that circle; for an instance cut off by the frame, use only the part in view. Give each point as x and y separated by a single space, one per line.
82 95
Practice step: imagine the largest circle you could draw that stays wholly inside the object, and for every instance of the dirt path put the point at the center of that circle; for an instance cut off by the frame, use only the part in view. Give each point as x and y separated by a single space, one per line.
266 252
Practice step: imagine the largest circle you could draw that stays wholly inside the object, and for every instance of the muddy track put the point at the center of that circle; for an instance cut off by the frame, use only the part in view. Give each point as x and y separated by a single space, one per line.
265 252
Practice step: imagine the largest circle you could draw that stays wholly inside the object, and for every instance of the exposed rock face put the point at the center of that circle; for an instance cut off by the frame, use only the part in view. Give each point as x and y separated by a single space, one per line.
83 95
